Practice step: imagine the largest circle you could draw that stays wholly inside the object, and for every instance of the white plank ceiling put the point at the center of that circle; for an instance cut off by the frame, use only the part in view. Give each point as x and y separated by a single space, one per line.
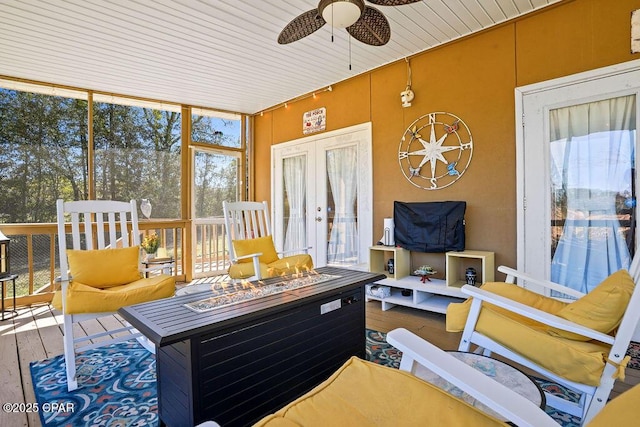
216 53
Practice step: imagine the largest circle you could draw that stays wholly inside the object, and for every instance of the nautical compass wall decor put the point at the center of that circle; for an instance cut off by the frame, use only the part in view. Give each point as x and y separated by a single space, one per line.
435 150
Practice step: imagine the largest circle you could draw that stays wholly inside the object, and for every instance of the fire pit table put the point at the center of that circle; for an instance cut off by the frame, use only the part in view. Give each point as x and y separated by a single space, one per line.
236 353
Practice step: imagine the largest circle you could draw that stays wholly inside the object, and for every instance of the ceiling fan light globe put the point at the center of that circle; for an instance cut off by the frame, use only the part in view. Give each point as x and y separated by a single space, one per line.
341 13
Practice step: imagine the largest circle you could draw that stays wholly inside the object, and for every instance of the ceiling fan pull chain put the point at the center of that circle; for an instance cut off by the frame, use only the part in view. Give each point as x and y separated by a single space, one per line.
332 21
349 52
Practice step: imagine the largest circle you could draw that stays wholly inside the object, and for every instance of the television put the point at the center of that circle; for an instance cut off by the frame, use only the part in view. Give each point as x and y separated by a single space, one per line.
433 227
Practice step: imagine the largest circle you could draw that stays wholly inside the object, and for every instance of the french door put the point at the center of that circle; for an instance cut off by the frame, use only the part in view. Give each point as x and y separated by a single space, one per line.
577 180
322 195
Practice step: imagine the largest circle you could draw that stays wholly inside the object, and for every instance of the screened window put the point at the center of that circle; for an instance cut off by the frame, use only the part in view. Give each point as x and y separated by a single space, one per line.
137 155
43 152
216 128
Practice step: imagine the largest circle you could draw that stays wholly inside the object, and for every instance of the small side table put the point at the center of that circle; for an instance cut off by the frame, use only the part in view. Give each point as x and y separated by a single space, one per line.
160 261
12 279
501 372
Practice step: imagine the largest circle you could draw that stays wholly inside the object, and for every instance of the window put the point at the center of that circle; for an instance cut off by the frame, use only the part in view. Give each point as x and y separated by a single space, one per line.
43 152
216 128
137 153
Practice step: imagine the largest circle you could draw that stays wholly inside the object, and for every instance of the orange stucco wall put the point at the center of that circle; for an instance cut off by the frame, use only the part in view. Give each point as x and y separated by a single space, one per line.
473 78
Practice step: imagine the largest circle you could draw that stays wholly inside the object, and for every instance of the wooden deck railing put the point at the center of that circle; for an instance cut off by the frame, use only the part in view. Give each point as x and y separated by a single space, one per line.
210 251
34 252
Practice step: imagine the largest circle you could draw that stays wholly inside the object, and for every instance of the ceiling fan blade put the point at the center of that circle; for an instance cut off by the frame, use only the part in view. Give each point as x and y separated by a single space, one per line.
392 2
372 28
301 26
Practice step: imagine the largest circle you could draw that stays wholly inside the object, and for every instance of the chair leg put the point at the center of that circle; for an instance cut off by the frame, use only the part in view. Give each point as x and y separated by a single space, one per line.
599 398
69 353
469 327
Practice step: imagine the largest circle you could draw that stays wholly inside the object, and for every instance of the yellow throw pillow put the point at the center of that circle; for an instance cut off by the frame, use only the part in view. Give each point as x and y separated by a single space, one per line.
263 245
104 268
602 308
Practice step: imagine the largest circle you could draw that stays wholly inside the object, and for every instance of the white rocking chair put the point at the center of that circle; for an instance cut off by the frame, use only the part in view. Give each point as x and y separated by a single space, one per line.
250 244
97 228
594 397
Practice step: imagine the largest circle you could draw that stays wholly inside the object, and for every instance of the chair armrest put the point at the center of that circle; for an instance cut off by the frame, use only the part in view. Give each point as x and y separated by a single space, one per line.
59 279
256 255
535 314
513 274
494 395
305 250
256 265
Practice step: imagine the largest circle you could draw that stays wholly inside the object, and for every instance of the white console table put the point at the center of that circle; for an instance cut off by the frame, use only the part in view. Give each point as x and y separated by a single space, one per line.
434 294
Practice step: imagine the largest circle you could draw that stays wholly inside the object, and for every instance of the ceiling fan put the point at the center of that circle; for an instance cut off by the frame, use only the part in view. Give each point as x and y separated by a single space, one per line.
365 23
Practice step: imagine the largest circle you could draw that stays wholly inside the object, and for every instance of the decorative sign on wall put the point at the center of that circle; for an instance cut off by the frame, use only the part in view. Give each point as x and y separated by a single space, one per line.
635 31
435 150
314 121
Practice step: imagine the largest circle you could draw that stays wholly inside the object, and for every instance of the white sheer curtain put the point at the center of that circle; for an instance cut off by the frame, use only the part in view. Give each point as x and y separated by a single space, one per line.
342 172
294 174
592 163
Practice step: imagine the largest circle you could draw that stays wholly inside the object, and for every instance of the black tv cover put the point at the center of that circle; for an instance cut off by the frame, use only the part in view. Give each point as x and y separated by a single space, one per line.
429 226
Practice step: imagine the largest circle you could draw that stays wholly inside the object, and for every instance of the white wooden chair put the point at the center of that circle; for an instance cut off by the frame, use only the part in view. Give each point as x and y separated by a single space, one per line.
251 247
594 397
101 225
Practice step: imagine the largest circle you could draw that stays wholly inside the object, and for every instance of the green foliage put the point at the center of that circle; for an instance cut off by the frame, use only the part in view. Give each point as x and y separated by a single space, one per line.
138 156
44 156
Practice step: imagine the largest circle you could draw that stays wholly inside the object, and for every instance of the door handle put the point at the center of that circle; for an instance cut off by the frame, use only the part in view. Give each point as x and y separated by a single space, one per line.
318 219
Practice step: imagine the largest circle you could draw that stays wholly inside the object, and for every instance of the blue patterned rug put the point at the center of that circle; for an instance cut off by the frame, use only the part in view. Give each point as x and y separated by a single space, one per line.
116 387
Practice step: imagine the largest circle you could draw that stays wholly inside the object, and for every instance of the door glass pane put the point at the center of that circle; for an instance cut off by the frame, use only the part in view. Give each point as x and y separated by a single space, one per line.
342 199
215 181
294 172
593 200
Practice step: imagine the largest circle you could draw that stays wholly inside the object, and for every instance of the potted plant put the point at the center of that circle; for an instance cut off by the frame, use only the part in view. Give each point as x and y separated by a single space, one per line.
150 244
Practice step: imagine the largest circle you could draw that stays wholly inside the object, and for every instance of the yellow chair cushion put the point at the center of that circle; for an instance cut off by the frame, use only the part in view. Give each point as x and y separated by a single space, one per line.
244 270
580 361
103 268
82 298
620 411
263 245
282 267
602 308
457 312
362 393
290 265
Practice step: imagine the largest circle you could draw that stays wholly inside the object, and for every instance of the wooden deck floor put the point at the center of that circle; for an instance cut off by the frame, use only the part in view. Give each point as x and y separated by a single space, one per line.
36 334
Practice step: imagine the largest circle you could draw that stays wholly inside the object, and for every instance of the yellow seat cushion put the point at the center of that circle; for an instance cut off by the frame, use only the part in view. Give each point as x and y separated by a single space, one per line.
88 299
244 270
580 361
103 268
362 393
290 265
620 411
281 267
602 308
262 245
